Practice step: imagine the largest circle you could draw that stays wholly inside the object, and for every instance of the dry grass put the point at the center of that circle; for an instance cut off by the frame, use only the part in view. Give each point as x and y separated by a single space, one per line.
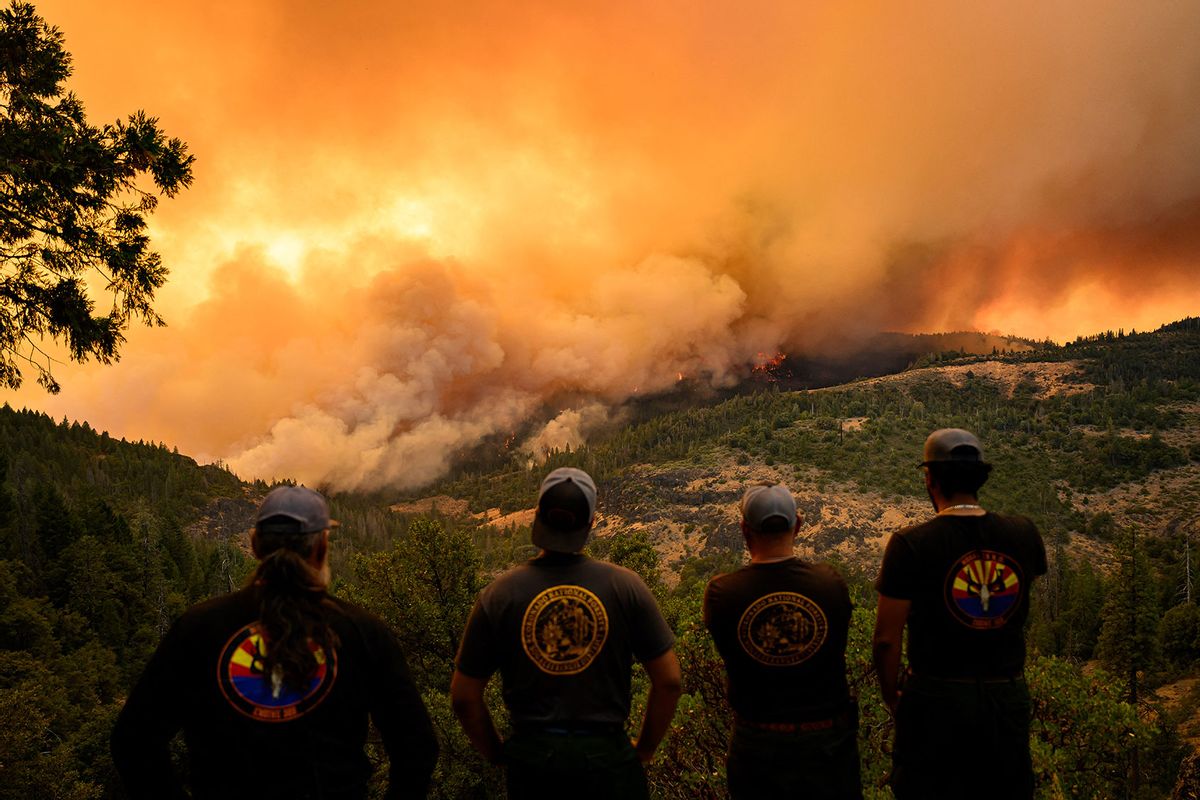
443 504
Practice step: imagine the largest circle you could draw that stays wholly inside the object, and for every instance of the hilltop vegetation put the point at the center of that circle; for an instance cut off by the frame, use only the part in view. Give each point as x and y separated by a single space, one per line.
104 542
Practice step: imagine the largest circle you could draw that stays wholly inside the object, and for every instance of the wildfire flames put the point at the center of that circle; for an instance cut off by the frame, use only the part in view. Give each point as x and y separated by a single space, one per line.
766 365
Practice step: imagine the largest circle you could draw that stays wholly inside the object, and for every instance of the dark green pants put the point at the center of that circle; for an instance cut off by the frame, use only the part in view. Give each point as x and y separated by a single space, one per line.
815 765
956 739
581 766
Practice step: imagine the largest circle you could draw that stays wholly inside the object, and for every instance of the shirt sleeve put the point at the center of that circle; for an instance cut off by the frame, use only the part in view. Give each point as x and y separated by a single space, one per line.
150 719
400 715
650 635
479 652
898 572
1040 566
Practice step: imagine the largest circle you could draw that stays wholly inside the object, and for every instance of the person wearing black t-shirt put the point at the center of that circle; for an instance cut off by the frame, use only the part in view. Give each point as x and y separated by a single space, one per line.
780 625
273 685
563 631
960 583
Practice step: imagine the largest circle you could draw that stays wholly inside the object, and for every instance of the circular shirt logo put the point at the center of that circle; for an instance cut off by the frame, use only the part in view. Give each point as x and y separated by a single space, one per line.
983 589
563 629
782 629
263 697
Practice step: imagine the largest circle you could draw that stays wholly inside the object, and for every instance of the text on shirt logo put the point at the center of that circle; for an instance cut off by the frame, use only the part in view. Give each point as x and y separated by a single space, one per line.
564 629
782 629
983 589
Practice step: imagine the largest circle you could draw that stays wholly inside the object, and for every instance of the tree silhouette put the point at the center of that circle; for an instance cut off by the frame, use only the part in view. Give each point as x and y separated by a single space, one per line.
73 208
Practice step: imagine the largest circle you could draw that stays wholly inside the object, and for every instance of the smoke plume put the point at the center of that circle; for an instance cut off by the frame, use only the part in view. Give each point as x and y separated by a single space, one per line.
417 225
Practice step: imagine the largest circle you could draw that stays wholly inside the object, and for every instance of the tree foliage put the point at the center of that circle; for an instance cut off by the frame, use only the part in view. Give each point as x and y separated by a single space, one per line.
94 565
1128 643
74 198
424 587
1179 635
1083 731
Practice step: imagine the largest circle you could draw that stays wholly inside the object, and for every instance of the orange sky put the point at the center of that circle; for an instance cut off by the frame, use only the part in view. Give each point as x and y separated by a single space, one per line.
415 224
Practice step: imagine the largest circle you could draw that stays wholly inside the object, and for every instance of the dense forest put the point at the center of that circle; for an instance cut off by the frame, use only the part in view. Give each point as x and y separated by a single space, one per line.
104 542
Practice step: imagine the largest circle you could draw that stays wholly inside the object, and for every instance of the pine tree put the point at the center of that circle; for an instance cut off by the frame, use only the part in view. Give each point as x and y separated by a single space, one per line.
75 202
1128 638
1128 643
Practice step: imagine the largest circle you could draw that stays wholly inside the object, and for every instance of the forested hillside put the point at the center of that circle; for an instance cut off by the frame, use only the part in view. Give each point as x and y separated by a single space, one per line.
104 542
1072 430
94 565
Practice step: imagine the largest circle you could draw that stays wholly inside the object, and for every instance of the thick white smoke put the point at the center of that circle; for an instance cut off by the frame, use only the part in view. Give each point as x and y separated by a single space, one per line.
416 225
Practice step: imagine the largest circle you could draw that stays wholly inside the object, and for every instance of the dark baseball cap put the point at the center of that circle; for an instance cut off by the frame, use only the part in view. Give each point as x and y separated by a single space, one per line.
566 506
952 445
293 509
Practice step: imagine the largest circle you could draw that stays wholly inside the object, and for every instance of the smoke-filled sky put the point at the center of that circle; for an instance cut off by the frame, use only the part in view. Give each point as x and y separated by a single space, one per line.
416 224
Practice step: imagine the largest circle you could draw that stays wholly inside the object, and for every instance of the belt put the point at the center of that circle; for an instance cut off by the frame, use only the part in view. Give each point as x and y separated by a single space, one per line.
790 727
917 679
571 728
842 719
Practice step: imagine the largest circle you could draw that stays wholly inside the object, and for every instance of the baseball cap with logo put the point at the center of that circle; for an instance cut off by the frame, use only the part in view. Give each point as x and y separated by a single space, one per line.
293 509
952 445
766 502
566 506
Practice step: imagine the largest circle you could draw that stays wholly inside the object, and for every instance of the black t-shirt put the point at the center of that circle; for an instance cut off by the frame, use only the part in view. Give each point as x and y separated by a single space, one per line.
248 738
564 630
968 579
781 629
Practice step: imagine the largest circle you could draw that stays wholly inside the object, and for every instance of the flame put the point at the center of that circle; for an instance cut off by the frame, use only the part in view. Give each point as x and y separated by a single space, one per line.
765 364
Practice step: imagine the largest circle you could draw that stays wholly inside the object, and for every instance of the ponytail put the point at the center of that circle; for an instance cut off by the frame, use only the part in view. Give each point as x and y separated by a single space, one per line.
292 607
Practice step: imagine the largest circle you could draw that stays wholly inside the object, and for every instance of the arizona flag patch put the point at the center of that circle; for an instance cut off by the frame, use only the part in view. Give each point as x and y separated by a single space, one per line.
983 589
252 692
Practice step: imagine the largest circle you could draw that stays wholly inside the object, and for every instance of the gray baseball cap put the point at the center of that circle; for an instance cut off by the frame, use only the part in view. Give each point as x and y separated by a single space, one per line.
764 501
297 509
952 444
565 510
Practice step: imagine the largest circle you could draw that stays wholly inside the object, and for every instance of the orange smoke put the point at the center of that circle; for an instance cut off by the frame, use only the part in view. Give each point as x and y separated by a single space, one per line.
414 225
